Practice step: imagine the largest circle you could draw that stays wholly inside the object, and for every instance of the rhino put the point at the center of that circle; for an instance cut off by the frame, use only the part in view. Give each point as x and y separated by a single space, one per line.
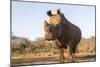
65 34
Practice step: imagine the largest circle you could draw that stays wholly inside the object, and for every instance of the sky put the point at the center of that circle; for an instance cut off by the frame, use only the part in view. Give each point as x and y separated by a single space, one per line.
28 18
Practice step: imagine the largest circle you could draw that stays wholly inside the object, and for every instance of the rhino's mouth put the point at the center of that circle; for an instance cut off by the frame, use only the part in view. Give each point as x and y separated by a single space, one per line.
49 39
49 36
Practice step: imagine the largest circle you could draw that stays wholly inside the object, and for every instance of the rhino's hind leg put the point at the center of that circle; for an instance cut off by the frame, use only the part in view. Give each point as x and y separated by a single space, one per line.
71 51
71 55
74 58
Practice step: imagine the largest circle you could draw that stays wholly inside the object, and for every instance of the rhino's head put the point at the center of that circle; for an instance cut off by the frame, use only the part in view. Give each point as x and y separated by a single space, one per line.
52 32
48 31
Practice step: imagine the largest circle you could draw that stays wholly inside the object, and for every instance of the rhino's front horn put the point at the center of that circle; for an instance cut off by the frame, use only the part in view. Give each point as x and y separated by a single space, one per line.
46 23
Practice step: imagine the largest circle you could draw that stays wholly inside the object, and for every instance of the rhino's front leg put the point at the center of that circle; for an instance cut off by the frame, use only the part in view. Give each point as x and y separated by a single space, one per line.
61 55
61 51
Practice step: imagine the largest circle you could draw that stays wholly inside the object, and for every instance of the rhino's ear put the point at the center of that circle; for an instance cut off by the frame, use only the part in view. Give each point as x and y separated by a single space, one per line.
58 11
49 13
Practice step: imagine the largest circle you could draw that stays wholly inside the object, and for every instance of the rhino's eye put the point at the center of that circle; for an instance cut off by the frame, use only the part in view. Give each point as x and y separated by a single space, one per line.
50 29
53 17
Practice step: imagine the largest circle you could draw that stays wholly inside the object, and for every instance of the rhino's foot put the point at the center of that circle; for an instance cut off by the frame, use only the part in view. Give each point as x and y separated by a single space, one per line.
61 61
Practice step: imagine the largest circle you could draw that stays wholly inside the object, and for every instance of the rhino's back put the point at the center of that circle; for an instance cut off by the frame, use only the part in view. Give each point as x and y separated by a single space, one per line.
71 31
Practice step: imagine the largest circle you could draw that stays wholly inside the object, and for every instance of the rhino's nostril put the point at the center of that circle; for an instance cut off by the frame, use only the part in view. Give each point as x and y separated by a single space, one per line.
53 36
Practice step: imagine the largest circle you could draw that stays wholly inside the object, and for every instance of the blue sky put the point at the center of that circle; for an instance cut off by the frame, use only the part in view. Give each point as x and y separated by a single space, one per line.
28 18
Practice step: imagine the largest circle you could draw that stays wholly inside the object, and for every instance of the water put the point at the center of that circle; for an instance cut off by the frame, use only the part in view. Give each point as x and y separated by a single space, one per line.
53 62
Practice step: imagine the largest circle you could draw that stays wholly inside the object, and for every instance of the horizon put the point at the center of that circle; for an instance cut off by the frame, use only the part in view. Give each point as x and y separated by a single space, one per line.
43 37
28 18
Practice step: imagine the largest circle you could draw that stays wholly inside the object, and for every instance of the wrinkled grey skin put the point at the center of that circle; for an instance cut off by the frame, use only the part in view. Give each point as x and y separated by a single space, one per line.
65 34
